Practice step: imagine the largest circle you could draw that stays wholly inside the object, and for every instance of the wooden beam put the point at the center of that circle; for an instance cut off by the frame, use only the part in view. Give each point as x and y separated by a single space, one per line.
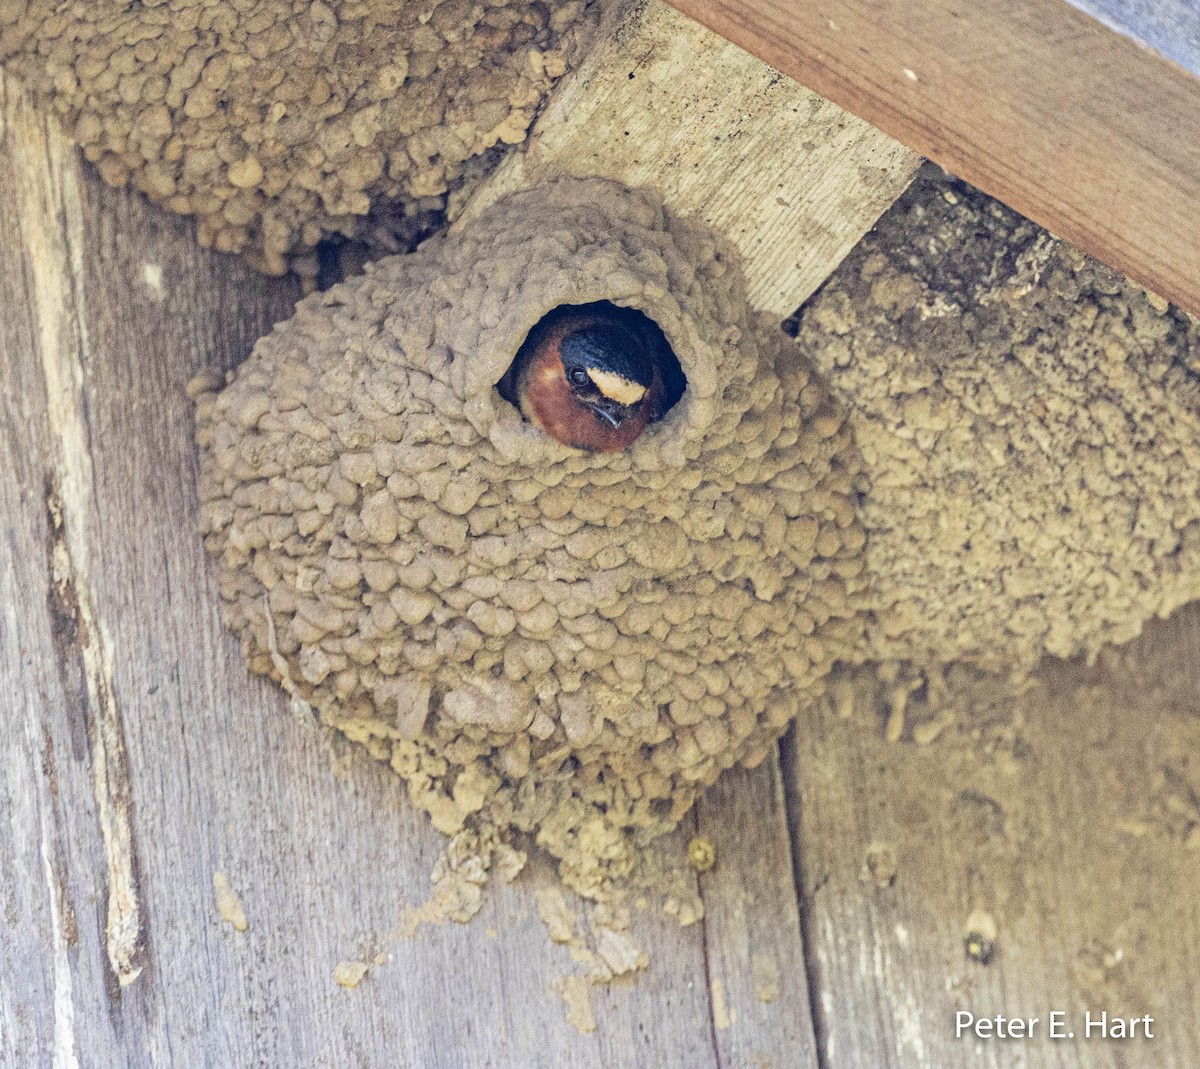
790 179
1034 102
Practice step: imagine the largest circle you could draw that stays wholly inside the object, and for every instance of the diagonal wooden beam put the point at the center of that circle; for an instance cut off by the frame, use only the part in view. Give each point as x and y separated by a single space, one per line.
1066 120
791 179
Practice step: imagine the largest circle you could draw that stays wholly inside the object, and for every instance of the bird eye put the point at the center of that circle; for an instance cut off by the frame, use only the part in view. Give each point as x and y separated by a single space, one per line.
578 376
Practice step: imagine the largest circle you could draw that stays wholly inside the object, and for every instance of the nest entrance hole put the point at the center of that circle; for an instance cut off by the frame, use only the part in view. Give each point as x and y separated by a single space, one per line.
634 320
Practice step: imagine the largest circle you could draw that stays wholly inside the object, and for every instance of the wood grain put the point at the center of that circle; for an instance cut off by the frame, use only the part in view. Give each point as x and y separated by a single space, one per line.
754 949
1034 102
1069 815
132 773
791 180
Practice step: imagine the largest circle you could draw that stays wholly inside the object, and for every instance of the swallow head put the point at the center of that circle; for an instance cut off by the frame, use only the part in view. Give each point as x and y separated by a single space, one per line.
594 376
608 371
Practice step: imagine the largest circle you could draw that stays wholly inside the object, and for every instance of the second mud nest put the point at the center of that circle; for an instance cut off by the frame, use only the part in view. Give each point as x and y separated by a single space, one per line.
278 123
1030 421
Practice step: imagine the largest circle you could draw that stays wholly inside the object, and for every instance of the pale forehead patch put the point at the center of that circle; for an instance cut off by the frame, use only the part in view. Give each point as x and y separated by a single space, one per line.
616 387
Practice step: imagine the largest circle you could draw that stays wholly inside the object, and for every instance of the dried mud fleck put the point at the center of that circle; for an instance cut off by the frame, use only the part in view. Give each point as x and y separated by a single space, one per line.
229 905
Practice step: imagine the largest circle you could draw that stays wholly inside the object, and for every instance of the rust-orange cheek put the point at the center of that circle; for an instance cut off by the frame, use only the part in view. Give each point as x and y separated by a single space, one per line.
561 416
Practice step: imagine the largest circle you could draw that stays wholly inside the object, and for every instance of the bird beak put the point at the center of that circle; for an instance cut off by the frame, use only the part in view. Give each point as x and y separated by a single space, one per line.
612 413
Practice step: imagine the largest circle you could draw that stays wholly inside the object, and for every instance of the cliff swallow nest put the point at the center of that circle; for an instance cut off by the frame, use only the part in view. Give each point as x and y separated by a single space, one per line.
1030 421
541 640
278 123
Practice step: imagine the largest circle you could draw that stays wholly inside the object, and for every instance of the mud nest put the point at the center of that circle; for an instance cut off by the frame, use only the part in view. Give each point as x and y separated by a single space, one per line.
537 639
1030 420
278 124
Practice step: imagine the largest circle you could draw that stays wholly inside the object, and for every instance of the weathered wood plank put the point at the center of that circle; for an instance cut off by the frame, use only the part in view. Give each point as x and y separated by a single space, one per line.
1070 815
109 309
791 179
757 981
1034 102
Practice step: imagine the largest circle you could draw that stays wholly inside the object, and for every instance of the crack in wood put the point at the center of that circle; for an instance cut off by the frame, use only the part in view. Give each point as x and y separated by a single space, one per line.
52 226
92 703
804 897
63 927
66 911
